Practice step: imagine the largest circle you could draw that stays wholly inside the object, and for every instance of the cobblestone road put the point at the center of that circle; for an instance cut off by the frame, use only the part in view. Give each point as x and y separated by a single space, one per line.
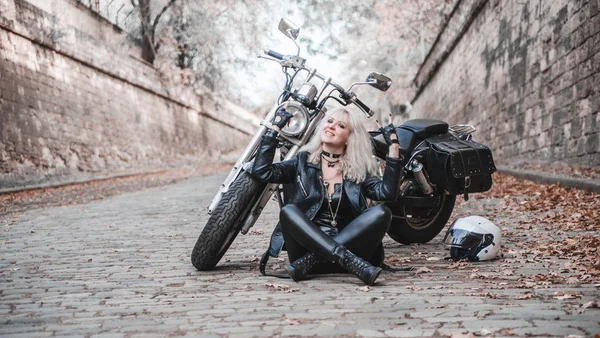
121 268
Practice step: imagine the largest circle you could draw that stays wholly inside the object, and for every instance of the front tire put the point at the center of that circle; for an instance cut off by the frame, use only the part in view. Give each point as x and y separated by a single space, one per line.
225 222
420 225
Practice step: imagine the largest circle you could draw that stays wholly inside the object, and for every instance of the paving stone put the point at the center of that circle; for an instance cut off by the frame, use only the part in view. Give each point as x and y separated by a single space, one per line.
551 331
29 335
369 333
10 330
449 329
251 334
146 334
108 335
308 330
489 324
410 333
551 326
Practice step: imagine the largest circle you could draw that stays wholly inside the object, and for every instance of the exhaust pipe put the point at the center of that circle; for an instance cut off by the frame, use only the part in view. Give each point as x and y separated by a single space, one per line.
417 168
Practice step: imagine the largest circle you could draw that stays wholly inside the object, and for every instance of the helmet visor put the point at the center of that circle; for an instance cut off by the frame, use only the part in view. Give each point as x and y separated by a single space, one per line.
460 238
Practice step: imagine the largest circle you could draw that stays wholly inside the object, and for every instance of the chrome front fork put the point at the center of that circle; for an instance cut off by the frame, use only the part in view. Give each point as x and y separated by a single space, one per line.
264 197
260 204
242 161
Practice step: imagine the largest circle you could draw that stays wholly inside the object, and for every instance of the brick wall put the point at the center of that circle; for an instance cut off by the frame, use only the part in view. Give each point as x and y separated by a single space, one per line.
525 73
76 103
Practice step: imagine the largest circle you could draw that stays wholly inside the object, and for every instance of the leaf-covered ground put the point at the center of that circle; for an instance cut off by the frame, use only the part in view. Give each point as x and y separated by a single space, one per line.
551 221
546 226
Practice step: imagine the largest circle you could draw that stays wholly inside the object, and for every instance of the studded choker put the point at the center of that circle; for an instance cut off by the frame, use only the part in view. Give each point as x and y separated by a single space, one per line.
325 153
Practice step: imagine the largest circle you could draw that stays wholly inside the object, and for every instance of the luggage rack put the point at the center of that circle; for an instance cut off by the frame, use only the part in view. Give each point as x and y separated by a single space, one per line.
463 128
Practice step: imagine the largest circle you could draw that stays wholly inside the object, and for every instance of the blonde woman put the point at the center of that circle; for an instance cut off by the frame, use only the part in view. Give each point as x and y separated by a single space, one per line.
326 218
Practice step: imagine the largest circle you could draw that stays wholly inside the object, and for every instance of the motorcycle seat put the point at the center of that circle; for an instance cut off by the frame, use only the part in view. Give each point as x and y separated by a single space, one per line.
406 140
423 128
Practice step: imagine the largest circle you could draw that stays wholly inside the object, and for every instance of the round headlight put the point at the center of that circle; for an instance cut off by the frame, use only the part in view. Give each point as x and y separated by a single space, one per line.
299 122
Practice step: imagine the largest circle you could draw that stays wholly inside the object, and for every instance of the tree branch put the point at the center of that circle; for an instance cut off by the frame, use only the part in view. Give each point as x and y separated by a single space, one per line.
158 17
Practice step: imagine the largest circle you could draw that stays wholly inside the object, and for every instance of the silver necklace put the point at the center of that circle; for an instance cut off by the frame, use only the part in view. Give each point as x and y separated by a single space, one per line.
329 197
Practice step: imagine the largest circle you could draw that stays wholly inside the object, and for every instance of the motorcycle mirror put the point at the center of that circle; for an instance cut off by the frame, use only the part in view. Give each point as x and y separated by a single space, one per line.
289 28
379 81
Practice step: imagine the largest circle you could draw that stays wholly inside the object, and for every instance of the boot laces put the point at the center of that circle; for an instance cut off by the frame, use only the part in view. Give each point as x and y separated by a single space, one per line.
306 262
356 264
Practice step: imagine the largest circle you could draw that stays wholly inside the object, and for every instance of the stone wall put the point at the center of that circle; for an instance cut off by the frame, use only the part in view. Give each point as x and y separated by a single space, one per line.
525 73
76 103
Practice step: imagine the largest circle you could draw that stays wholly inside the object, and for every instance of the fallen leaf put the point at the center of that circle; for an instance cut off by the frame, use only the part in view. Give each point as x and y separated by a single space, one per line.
525 296
423 270
506 333
463 335
365 288
484 332
567 296
277 287
590 304
176 285
292 322
572 280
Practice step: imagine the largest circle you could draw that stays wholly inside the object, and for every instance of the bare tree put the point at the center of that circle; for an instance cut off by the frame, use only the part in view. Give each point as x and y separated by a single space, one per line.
388 36
211 45
148 26
206 40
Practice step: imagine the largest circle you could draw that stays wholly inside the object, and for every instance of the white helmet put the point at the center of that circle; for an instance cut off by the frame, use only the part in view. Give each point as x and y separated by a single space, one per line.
473 238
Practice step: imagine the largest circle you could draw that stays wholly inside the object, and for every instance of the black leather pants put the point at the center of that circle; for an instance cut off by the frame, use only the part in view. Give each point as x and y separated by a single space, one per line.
362 236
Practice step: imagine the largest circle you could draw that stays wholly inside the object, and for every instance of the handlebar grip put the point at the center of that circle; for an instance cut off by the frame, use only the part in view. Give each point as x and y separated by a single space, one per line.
363 107
274 54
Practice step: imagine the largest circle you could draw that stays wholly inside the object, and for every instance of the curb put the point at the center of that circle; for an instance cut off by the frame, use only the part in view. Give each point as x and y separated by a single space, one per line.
546 178
76 181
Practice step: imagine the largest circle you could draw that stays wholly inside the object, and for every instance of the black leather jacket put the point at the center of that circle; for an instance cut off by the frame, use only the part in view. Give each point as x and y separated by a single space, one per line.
302 180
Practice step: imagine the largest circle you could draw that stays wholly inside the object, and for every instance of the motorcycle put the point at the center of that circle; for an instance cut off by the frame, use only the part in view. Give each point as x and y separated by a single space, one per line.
442 162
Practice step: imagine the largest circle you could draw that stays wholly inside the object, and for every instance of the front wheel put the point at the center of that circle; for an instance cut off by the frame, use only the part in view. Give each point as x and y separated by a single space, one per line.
226 221
420 224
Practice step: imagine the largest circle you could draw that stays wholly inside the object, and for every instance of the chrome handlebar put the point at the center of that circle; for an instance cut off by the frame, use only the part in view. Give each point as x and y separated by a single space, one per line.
296 62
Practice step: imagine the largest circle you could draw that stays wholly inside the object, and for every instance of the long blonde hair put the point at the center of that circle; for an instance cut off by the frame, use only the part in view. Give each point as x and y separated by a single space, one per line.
357 162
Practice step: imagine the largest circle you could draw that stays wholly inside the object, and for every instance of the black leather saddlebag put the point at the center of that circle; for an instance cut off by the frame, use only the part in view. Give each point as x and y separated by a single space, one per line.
459 166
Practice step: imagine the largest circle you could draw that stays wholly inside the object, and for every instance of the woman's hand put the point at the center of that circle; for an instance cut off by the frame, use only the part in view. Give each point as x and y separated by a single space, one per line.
281 117
390 137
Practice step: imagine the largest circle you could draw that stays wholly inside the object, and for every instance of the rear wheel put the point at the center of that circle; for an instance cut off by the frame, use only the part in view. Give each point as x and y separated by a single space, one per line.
420 224
225 222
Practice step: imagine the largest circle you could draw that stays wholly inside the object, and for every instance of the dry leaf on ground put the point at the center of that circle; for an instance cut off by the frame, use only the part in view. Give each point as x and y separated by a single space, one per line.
423 270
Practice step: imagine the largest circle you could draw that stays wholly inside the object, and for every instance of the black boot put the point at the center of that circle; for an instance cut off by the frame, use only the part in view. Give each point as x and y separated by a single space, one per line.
356 265
300 267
